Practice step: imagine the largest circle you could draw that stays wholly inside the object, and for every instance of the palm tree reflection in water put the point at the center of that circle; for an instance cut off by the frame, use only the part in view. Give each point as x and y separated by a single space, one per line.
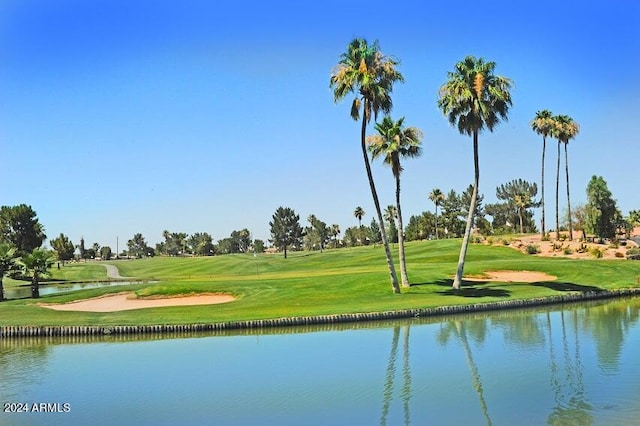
391 373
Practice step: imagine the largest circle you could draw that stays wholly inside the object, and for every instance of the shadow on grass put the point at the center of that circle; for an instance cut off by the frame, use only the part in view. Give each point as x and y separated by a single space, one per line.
469 289
563 286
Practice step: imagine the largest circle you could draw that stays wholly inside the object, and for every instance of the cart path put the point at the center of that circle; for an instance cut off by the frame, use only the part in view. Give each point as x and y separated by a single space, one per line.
112 272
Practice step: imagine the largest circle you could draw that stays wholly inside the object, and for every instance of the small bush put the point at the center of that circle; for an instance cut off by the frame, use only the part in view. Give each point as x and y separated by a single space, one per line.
557 247
505 242
582 248
490 240
619 254
567 250
596 252
546 237
634 250
613 245
533 249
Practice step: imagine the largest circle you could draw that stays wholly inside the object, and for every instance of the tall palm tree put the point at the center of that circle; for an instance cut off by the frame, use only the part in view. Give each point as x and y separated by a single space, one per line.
393 142
474 98
367 73
565 129
437 197
543 124
7 262
37 264
359 214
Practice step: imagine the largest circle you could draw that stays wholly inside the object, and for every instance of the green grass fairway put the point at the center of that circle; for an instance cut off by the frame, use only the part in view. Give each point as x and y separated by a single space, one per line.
306 284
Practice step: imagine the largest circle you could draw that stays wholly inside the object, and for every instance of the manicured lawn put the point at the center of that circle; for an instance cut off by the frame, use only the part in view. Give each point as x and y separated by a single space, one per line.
336 281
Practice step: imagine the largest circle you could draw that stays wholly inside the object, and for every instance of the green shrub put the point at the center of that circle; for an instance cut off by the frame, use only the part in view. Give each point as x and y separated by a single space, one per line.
582 248
634 250
596 252
533 249
613 245
505 242
567 250
490 240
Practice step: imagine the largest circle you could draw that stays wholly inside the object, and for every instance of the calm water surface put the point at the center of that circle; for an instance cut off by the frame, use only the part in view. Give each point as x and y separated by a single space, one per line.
24 291
575 366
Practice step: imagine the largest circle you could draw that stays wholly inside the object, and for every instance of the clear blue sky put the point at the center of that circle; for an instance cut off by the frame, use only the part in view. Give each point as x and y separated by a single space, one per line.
127 116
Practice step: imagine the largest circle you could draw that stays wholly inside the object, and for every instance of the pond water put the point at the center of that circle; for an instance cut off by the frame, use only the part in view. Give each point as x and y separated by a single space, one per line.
576 365
24 291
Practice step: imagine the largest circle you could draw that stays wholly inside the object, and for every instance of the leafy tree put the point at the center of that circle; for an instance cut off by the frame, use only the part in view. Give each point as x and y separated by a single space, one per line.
201 244
564 129
474 98
37 264
19 226
420 226
601 210
63 247
543 125
465 202
634 217
81 248
334 230
437 197
258 246
96 249
390 214
285 229
105 252
451 211
519 195
237 242
7 263
242 240
318 234
393 142
138 246
359 214
175 243
374 232
370 75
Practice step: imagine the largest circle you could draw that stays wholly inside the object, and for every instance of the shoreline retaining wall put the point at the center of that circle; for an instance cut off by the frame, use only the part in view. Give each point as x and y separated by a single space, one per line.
99 330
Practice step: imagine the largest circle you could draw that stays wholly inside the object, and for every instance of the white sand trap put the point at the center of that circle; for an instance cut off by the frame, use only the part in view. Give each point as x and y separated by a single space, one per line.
513 277
128 301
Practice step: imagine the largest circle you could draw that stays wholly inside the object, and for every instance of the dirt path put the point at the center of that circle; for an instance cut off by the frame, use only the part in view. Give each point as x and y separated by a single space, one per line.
112 272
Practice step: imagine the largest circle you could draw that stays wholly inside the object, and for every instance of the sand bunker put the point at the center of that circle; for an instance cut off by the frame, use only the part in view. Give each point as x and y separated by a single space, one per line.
128 301
513 276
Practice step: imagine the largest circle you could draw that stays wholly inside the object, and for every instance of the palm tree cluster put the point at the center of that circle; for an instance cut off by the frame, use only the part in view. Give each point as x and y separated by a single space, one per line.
473 98
563 128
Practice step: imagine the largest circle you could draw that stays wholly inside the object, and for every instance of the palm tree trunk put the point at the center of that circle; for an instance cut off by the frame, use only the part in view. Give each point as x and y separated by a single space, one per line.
520 217
436 220
1 289
544 145
392 270
557 192
566 166
403 263
35 287
457 281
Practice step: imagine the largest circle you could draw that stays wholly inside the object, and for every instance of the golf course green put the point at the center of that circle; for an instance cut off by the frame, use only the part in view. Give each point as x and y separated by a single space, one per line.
336 281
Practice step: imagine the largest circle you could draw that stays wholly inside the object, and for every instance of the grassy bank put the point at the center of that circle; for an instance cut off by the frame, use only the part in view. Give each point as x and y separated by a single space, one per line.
308 284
